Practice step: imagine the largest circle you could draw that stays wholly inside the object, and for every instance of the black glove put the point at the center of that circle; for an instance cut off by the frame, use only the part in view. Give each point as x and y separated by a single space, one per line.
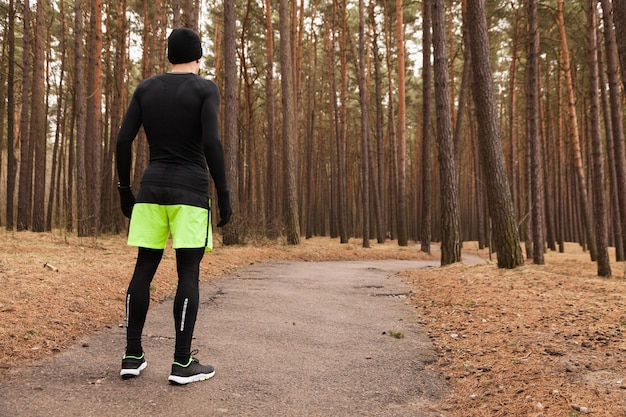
127 199
223 202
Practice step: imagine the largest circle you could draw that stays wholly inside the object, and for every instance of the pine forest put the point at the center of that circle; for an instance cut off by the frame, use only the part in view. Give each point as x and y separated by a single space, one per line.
431 121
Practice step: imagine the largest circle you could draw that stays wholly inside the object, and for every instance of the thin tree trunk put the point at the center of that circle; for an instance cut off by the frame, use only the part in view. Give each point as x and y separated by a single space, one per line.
60 116
617 115
365 158
401 130
11 159
231 234
619 10
379 175
342 138
614 207
573 129
94 117
289 126
599 197
427 145
533 135
79 109
272 177
24 195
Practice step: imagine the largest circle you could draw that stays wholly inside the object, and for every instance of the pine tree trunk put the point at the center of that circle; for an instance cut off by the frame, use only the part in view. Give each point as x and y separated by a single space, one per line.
290 136
79 109
93 151
24 195
271 181
533 136
617 115
427 144
365 157
231 234
11 158
401 130
505 233
619 10
599 197
450 228
573 128
377 161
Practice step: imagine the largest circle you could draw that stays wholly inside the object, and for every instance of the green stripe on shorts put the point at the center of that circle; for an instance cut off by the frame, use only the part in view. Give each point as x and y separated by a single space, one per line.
151 225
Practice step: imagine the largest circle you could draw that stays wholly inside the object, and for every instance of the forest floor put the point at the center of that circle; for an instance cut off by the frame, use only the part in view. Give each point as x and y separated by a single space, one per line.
540 340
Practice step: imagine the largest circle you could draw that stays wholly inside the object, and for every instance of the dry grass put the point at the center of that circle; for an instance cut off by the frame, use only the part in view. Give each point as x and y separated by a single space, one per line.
536 341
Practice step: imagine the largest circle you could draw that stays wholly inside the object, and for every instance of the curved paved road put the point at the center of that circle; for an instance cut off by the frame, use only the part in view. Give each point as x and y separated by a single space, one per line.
286 339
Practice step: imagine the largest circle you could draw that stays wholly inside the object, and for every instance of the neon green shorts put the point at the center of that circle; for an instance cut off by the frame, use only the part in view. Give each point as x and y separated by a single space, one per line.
151 224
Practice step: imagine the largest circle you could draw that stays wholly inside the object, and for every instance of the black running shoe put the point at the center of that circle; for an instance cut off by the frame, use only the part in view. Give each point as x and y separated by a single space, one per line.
192 371
132 365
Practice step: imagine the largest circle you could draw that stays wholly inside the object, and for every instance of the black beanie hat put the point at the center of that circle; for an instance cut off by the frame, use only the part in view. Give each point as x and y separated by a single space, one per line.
183 45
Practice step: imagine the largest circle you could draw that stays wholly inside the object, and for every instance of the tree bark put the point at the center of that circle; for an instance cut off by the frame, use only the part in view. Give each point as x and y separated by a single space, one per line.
24 196
290 137
401 130
450 233
617 115
365 157
231 234
505 233
573 129
427 145
619 10
11 158
271 172
94 117
599 194
81 123
533 136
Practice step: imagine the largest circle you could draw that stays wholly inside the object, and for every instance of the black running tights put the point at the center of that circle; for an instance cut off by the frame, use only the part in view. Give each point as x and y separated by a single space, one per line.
185 302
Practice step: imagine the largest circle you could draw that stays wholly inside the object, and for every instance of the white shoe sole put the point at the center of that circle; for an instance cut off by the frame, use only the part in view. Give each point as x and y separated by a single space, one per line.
182 380
129 373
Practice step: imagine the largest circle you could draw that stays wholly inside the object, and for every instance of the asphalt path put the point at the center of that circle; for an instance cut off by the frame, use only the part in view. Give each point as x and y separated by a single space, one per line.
286 339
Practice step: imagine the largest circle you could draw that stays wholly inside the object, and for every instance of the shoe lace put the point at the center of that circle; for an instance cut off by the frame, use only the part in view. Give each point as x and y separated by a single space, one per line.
193 353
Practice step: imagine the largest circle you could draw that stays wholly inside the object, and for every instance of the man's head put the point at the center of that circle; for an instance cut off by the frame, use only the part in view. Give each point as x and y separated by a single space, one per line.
183 45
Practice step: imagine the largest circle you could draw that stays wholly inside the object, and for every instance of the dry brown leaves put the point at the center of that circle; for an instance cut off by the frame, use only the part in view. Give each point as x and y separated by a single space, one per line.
543 340
536 341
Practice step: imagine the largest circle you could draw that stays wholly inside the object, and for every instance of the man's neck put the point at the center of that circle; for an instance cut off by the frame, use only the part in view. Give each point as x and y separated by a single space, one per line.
185 67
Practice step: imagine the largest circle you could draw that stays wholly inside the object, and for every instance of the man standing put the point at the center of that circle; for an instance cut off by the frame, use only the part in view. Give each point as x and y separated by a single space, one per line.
178 111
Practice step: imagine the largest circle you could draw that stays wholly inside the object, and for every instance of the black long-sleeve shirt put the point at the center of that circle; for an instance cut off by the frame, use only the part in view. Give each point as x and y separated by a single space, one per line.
178 112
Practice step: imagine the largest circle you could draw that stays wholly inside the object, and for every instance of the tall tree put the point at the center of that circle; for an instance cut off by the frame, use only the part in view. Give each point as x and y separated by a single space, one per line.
342 123
24 193
231 138
619 9
505 233
574 137
380 177
450 227
80 121
93 150
533 135
427 155
11 159
290 135
614 206
271 170
401 130
365 158
599 194
617 115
